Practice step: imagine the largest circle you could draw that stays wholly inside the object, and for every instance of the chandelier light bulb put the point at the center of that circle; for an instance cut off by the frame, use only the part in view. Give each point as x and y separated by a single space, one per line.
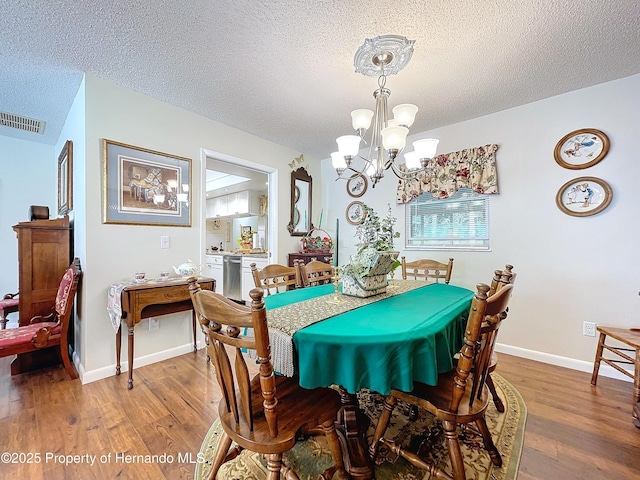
426 148
348 145
338 161
361 119
411 160
394 137
405 114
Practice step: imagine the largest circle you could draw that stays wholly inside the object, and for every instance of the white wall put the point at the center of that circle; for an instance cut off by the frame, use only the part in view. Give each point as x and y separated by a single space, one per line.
570 269
29 177
73 129
115 252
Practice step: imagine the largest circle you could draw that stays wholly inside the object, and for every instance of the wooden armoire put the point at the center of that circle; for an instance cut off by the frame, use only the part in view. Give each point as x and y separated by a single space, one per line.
44 253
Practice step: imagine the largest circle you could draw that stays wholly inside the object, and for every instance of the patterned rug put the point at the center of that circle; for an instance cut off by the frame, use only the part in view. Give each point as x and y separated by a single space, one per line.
310 457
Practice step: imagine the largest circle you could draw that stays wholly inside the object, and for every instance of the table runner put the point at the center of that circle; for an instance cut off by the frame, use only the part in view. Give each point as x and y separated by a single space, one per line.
291 311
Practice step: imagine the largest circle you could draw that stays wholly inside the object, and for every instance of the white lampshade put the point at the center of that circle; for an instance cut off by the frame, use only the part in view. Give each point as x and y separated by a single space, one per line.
392 122
348 145
426 148
411 160
338 161
405 114
361 118
394 138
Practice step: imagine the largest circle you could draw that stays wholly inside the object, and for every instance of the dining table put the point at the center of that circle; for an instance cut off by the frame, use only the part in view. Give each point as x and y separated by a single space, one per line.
408 334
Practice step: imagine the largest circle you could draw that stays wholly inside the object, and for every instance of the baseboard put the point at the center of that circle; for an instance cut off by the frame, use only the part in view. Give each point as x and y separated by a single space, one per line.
572 363
109 371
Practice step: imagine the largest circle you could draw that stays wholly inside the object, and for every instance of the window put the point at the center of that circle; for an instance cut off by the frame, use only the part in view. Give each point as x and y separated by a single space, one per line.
458 222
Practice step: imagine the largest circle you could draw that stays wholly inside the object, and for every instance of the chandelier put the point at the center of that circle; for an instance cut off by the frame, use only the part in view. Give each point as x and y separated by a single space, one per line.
381 56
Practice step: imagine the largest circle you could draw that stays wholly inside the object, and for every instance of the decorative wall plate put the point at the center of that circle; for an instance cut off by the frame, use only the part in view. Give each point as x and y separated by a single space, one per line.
581 149
357 185
355 213
584 196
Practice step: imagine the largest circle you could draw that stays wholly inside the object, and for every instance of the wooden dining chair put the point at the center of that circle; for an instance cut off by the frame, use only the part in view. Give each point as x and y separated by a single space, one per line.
500 279
9 304
268 413
626 345
459 398
275 277
47 331
429 270
316 273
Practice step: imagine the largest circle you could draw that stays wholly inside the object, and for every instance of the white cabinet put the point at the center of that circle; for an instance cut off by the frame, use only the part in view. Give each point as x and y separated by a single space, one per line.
247 277
246 202
214 269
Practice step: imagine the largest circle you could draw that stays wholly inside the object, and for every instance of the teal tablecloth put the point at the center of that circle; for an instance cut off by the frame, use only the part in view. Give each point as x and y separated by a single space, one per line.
383 345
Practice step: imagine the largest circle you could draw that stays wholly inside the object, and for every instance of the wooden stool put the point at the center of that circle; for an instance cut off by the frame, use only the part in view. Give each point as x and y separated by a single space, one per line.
631 338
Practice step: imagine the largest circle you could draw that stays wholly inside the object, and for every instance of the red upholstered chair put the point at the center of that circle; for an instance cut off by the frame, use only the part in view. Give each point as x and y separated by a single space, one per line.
8 304
47 331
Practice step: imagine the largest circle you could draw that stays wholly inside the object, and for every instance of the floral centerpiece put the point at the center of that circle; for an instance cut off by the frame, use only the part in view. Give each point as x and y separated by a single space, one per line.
366 273
246 239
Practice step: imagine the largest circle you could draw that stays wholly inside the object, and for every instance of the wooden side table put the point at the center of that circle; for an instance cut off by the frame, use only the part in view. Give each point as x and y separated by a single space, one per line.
308 257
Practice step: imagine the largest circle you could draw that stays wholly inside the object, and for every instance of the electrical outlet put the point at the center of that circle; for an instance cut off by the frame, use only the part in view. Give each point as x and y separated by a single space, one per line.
154 323
589 329
165 241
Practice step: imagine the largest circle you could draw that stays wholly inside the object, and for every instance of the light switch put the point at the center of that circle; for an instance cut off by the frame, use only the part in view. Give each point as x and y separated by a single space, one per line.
164 241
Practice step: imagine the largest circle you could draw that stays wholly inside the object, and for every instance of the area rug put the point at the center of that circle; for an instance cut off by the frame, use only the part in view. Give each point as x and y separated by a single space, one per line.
310 457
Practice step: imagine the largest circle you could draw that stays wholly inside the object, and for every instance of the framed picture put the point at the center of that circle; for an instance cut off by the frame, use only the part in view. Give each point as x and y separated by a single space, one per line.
584 196
357 185
65 179
355 213
144 187
581 149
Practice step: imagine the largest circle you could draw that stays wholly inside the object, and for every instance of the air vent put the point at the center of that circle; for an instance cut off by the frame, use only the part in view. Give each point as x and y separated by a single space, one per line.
21 123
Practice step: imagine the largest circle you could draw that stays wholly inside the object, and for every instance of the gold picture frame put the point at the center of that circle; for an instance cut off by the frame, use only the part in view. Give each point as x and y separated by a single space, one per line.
65 179
145 187
581 149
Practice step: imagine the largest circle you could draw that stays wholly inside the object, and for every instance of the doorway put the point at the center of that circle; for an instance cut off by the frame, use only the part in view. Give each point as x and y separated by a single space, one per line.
223 178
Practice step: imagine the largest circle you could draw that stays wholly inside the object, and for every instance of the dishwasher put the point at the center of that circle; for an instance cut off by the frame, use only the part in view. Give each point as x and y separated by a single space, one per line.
231 285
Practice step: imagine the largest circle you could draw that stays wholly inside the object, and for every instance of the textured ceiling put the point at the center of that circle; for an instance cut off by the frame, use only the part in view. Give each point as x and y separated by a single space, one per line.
283 70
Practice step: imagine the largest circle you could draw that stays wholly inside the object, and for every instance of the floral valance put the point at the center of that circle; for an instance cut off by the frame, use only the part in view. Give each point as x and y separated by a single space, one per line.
473 168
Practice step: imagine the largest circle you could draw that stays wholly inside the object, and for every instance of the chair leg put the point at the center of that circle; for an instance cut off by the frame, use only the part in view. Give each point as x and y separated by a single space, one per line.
497 401
66 361
489 446
329 428
383 423
455 454
220 454
596 362
636 388
3 322
274 464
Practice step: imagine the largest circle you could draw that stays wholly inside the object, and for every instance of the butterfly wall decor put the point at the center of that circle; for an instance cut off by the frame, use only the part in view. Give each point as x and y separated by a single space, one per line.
297 160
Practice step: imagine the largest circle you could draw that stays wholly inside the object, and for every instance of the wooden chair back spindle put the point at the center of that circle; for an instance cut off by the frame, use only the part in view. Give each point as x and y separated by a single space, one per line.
426 269
316 273
275 277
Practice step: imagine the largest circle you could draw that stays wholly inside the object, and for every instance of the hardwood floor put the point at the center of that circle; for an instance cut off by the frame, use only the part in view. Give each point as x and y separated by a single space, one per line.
573 430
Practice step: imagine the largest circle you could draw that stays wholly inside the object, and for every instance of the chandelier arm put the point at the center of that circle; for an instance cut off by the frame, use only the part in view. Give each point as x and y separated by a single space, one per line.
406 175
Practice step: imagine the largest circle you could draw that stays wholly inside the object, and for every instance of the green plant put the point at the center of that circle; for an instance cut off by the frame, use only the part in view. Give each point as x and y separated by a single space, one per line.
374 235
